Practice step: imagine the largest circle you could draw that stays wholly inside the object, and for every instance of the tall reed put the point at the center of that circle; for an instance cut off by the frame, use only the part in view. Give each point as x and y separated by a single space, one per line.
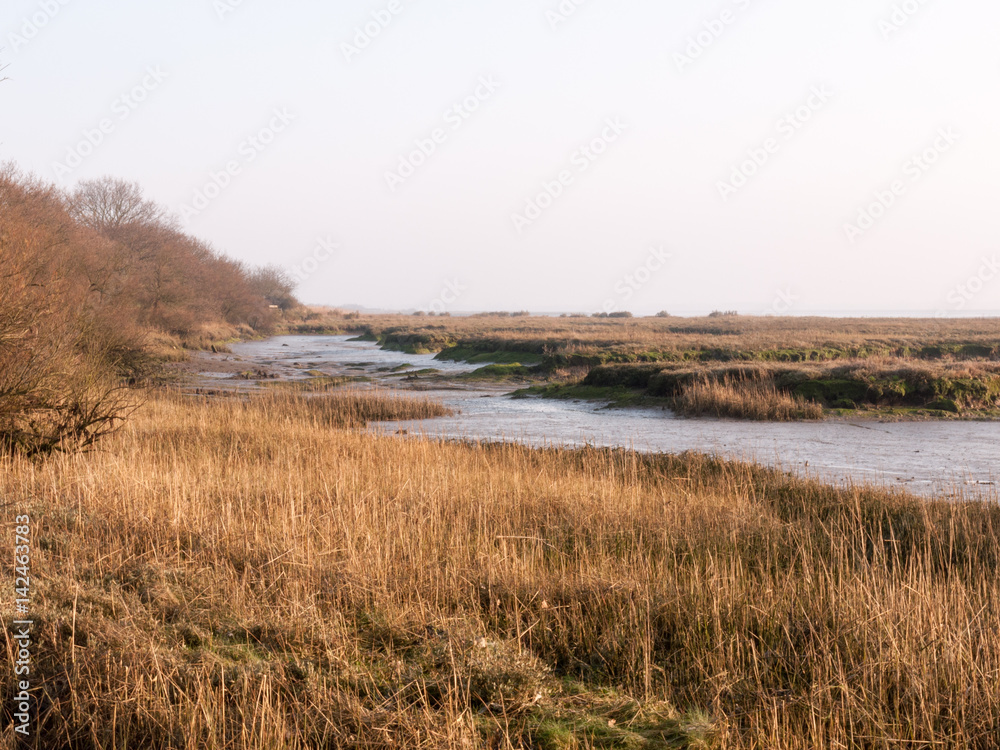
237 575
746 398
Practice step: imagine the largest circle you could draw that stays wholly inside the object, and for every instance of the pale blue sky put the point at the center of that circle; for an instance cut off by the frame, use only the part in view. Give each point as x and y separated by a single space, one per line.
778 243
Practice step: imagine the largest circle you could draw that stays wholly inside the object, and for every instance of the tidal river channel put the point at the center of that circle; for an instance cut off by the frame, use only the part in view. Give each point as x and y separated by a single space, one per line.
948 458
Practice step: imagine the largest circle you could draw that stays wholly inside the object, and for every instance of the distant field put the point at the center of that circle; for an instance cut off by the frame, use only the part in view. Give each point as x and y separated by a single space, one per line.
590 341
774 368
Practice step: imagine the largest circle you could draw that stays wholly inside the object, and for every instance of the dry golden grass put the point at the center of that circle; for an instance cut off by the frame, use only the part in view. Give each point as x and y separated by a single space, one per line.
749 398
239 575
325 404
817 338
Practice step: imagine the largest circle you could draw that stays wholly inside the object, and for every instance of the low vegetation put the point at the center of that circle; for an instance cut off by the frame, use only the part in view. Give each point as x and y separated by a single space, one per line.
585 342
237 573
328 405
893 366
953 387
748 398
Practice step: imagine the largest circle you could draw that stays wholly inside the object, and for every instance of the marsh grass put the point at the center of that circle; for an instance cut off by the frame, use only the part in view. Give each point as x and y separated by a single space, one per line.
567 342
327 404
240 574
756 398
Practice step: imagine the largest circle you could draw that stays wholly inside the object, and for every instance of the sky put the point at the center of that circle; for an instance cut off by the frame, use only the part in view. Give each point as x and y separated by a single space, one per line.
764 156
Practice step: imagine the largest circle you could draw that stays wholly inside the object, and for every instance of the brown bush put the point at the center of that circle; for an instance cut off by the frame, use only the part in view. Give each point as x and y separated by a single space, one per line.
85 280
63 358
171 281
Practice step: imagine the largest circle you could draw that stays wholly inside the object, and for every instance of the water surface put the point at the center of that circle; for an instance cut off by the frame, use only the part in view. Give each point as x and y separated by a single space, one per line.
928 457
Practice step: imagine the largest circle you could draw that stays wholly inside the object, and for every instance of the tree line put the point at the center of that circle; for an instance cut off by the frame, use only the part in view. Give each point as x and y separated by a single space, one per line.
89 278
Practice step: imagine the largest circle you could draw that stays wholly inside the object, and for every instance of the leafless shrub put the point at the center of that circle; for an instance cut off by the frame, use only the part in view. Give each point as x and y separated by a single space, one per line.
64 360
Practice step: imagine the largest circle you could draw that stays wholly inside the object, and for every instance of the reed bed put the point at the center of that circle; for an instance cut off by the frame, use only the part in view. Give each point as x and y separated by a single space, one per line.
325 405
750 398
244 575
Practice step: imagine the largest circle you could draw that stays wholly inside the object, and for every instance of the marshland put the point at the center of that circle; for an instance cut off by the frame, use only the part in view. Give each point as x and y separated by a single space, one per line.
258 572
225 553
499 376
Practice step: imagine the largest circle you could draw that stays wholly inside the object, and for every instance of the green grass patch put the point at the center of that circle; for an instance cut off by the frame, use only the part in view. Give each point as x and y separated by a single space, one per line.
514 371
475 356
944 404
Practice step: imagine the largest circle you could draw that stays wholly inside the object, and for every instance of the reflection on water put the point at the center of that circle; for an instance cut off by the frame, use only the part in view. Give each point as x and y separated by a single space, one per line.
926 457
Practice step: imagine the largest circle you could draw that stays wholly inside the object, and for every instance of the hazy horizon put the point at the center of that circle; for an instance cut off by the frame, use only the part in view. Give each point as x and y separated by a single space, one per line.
766 157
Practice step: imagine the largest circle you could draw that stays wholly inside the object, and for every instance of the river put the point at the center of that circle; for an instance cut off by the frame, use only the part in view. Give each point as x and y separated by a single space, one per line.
947 458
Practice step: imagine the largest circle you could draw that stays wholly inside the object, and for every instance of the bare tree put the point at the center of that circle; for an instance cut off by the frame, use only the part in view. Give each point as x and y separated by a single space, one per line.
134 226
108 204
62 358
274 284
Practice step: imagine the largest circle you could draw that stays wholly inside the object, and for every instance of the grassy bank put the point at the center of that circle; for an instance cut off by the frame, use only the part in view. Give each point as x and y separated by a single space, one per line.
889 384
565 342
883 388
890 367
247 574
